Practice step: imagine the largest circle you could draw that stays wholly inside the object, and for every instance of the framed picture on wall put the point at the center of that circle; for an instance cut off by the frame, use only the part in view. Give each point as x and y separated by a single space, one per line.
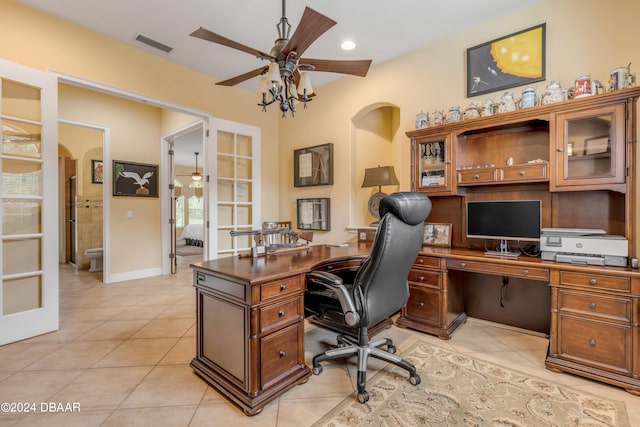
313 166
97 172
135 179
513 60
314 214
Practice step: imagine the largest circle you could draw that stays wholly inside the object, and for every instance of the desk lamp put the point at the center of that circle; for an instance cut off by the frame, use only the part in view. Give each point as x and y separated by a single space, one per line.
377 177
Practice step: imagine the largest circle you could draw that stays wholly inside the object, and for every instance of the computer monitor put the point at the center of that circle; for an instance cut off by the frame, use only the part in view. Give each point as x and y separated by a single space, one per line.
504 220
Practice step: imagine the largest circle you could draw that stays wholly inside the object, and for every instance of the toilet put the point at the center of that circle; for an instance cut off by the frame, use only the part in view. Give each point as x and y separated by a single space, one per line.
95 255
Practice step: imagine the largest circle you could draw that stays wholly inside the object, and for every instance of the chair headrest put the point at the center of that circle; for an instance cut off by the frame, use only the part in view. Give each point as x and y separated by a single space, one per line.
412 208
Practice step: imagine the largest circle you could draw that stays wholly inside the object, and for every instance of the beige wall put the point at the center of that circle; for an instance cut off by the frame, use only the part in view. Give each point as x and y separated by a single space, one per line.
592 36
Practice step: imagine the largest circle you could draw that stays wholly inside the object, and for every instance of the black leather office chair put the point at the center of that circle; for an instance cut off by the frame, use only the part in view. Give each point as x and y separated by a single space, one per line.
379 289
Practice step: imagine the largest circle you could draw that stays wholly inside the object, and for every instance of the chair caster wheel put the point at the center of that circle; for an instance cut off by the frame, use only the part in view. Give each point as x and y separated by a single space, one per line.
414 379
392 349
317 370
363 396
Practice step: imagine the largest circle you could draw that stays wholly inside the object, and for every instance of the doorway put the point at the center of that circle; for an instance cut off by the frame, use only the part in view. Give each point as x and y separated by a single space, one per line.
81 208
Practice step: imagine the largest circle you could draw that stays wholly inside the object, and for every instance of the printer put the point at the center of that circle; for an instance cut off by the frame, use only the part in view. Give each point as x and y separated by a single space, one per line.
583 246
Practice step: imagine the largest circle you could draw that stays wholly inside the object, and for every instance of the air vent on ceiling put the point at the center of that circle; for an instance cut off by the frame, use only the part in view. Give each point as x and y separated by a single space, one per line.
153 43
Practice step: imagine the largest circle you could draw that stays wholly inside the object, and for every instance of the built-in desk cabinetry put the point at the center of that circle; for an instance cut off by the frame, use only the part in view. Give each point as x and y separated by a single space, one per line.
577 157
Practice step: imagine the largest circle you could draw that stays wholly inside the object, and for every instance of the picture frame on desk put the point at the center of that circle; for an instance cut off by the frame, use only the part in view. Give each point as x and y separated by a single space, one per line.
437 234
313 166
490 65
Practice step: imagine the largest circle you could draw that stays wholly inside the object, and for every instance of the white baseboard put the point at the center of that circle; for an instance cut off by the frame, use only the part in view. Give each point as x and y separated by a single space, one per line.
132 275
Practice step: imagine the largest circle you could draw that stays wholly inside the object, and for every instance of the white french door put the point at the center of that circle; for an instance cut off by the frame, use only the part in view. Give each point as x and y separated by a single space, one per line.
29 198
235 200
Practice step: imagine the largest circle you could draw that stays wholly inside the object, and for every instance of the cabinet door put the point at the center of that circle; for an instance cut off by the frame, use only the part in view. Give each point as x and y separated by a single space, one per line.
590 147
432 164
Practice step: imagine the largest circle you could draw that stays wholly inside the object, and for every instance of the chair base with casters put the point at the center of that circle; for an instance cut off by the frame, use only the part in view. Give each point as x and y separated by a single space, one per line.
363 349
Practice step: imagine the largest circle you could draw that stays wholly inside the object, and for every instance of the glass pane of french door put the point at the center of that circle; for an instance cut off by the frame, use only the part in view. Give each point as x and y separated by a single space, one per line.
28 197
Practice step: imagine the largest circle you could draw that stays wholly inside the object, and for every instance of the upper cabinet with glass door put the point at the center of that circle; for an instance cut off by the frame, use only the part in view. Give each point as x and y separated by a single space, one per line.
590 149
432 164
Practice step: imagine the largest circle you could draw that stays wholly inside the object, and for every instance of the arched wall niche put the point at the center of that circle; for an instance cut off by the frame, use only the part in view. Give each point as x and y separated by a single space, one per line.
374 130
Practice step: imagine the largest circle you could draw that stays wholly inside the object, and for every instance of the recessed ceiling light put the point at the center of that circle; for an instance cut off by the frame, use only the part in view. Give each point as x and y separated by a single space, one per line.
348 45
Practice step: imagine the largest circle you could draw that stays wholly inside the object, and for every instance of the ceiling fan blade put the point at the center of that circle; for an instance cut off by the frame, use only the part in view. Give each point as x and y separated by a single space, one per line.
242 77
311 26
354 67
204 34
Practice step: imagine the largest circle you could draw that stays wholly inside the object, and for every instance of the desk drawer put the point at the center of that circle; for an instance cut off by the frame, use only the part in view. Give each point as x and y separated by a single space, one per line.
279 288
426 278
525 173
595 343
607 308
227 287
282 313
279 353
424 305
427 261
477 176
341 266
595 281
499 269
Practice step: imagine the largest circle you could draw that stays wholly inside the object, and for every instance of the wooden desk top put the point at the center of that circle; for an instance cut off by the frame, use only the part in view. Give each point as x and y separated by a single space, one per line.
277 266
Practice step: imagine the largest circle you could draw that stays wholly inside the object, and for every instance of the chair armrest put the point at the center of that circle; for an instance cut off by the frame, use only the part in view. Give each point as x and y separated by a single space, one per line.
334 283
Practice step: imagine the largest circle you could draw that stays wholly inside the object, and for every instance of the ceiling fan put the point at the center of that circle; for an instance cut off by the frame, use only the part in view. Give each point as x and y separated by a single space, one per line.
284 79
197 175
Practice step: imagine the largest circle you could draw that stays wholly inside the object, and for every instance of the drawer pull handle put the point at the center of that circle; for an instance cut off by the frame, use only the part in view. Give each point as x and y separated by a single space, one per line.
421 305
592 342
592 305
463 264
330 267
283 287
521 173
525 272
420 261
422 278
476 176
281 313
593 281
283 353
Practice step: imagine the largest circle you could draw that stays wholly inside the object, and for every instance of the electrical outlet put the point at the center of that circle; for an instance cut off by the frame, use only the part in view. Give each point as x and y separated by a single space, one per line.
363 236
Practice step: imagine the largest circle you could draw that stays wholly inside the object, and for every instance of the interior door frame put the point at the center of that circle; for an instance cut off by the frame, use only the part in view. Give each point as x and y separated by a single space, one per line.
106 191
168 143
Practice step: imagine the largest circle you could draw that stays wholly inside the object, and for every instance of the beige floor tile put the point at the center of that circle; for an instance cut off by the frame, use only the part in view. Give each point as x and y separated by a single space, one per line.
167 386
226 414
19 355
102 388
146 311
138 352
182 353
158 328
69 419
179 311
77 354
174 416
303 412
114 330
35 386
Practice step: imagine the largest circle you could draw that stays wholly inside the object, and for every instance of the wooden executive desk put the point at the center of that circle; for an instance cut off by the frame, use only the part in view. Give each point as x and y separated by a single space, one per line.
250 329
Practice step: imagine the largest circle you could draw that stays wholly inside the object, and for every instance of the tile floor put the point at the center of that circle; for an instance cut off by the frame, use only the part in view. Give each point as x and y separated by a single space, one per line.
123 350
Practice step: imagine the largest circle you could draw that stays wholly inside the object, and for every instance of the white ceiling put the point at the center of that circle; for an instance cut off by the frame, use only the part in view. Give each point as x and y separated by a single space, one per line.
382 29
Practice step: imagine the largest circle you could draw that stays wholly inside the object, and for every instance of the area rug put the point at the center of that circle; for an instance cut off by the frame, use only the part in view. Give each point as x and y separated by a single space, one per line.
458 390
188 250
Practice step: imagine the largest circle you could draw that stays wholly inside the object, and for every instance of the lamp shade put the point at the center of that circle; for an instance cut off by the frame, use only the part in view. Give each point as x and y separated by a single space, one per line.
273 75
305 84
380 176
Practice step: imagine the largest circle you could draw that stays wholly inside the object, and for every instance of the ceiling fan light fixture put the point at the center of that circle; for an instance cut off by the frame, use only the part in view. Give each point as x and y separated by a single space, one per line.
273 75
196 176
305 87
263 84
